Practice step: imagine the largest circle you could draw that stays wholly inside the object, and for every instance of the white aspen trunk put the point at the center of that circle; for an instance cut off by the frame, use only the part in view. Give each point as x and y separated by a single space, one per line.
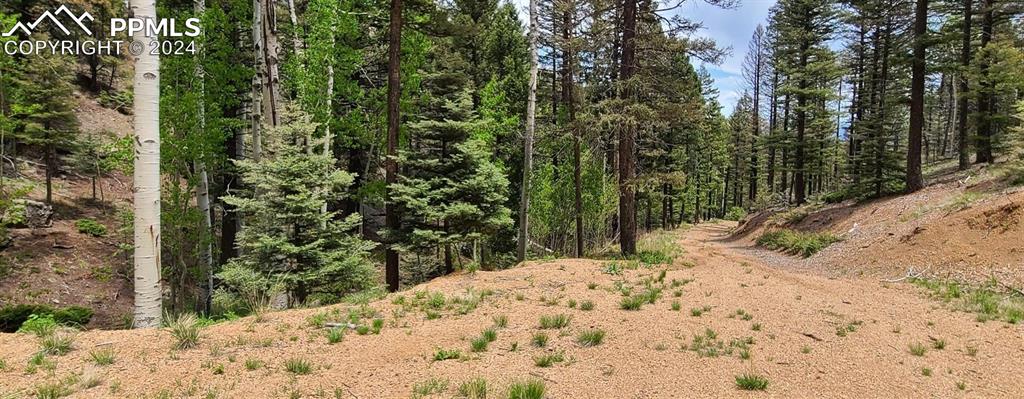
148 294
297 35
531 112
203 188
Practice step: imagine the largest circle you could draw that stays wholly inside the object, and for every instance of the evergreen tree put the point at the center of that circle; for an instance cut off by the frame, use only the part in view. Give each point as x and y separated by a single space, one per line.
45 108
287 237
449 193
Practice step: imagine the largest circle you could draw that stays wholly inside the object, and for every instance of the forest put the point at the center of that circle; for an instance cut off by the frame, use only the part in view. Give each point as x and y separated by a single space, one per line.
319 148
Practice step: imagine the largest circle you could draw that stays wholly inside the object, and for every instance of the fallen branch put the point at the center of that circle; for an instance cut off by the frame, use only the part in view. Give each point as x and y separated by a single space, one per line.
910 274
1007 287
811 336
336 325
546 249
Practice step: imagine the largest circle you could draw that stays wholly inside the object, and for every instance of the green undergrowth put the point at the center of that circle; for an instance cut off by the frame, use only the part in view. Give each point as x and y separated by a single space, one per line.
989 301
795 242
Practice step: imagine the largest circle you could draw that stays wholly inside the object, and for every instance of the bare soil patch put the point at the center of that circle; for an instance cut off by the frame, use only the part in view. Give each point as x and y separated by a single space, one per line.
809 335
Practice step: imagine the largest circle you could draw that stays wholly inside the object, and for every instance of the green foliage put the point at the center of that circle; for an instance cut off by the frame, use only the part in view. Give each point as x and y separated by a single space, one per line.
446 354
796 242
91 227
735 213
12 316
40 325
290 239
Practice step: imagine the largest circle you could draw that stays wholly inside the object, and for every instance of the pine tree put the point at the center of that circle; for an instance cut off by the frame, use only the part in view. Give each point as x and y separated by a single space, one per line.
44 106
287 238
449 193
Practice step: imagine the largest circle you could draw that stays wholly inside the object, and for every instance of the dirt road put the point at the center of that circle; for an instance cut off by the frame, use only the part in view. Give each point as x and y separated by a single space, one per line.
810 336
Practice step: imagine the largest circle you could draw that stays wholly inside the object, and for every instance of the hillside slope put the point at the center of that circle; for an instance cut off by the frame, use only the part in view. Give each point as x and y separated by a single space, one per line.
966 226
810 336
57 265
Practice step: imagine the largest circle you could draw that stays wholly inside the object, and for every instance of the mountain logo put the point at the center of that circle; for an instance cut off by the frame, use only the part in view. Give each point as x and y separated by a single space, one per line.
27 28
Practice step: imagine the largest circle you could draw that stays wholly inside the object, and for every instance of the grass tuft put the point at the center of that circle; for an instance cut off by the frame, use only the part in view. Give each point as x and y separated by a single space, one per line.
548 360
58 342
185 329
298 366
590 338
751 382
532 389
917 349
540 340
102 357
474 389
554 322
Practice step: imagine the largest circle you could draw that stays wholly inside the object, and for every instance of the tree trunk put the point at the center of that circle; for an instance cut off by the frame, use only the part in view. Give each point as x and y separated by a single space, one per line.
392 220
986 101
147 177
799 185
627 163
915 181
961 101
531 114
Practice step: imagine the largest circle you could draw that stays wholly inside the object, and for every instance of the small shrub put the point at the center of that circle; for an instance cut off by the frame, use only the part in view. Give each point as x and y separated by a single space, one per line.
587 305
298 366
696 312
474 389
40 325
554 322
533 389
185 329
479 344
927 372
91 227
795 242
548 360
590 338
676 306
735 214
540 340
446 354
102 357
500 321
490 335
751 382
939 344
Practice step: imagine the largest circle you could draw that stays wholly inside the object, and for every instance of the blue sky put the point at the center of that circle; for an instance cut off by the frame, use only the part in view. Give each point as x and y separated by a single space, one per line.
729 28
